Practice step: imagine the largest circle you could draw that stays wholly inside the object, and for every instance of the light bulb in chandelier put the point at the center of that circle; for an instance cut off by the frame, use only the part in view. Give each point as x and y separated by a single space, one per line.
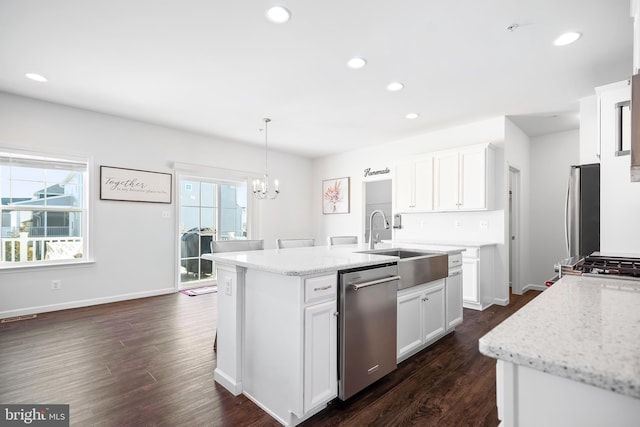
261 188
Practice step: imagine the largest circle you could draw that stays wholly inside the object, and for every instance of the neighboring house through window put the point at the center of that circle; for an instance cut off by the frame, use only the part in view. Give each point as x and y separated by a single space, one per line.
44 210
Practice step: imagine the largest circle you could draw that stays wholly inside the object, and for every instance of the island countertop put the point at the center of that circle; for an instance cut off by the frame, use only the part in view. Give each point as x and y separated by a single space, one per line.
583 328
311 260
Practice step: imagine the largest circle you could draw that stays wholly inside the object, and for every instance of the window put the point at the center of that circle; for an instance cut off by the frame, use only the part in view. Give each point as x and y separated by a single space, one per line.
44 210
210 209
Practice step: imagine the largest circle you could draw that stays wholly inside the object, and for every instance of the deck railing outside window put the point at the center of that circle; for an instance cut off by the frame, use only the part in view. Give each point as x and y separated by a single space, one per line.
25 248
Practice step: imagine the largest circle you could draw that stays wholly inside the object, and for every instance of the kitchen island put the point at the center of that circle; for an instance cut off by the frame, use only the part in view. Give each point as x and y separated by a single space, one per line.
571 356
277 325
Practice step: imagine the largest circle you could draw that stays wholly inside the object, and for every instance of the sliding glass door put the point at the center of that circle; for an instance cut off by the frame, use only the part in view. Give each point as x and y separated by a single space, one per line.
210 209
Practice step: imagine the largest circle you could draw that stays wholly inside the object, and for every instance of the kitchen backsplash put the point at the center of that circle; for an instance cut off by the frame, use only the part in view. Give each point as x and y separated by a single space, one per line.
473 227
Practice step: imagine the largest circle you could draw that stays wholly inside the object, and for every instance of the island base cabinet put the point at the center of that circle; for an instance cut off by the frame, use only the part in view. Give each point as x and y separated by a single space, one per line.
530 398
290 360
321 342
421 317
409 325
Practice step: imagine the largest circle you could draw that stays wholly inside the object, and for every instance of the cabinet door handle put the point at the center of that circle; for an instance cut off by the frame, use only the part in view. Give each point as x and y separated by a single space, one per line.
425 299
336 314
455 273
323 288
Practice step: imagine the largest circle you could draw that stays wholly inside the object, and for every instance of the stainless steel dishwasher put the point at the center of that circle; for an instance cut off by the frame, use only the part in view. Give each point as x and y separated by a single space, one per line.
367 328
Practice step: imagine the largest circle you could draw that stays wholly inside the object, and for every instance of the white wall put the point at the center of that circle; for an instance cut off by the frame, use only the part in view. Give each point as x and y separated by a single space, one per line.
619 197
551 157
589 141
134 248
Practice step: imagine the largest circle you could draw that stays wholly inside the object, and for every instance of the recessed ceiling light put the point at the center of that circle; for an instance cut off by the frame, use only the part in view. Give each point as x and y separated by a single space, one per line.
278 14
412 116
395 86
36 77
567 38
356 62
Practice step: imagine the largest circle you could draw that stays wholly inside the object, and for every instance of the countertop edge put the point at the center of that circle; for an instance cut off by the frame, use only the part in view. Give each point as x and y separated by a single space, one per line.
499 344
438 243
303 272
583 374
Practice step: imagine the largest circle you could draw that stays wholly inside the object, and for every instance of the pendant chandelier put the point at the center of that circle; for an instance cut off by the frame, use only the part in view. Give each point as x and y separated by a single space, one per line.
261 187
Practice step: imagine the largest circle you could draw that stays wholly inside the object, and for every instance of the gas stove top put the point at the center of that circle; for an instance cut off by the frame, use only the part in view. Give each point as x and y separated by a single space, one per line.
627 266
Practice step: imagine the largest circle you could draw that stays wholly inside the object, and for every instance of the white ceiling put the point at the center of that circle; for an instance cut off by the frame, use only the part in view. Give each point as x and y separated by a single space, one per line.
218 67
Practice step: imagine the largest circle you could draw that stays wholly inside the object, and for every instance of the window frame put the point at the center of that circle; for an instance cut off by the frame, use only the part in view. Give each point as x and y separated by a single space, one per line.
55 161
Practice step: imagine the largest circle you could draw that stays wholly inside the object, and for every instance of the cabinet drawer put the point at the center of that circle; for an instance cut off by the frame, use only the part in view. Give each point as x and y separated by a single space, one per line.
455 261
320 288
471 253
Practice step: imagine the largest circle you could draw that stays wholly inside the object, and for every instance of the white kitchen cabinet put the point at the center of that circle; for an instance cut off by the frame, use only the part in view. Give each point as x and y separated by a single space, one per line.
433 320
289 357
421 317
471 291
414 185
477 277
320 361
463 178
453 285
409 324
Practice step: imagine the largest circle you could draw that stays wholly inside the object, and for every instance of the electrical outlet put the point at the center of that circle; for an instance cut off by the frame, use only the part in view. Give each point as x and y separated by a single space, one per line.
166 214
56 284
457 224
484 225
227 284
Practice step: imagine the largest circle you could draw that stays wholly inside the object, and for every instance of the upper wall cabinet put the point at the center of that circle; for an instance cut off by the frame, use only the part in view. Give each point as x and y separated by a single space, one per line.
414 185
463 178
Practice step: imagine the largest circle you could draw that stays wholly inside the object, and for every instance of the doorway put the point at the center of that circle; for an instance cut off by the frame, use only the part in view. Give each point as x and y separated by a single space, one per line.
514 230
210 209
377 195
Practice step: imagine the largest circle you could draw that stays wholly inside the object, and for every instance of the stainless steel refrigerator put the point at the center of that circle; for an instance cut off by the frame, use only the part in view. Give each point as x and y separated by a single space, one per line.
582 212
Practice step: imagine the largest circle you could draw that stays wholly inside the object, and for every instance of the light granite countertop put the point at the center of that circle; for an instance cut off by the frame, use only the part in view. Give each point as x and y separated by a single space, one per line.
582 328
312 260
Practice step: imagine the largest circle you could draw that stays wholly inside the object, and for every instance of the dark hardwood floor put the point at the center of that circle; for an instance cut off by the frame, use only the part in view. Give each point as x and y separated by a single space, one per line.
150 362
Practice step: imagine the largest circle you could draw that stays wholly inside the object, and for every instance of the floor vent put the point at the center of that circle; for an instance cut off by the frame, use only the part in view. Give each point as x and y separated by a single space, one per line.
18 318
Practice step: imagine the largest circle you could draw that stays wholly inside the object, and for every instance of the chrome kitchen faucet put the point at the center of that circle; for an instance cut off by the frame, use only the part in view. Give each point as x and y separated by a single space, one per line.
372 240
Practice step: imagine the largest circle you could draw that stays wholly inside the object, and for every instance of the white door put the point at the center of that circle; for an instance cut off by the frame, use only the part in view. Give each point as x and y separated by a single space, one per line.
472 178
446 181
409 326
423 168
403 184
470 280
433 312
454 298
320 362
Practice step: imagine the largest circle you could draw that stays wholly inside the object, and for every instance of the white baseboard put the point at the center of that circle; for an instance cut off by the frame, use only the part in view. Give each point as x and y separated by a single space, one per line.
83 303
501 301
533 287
227 382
